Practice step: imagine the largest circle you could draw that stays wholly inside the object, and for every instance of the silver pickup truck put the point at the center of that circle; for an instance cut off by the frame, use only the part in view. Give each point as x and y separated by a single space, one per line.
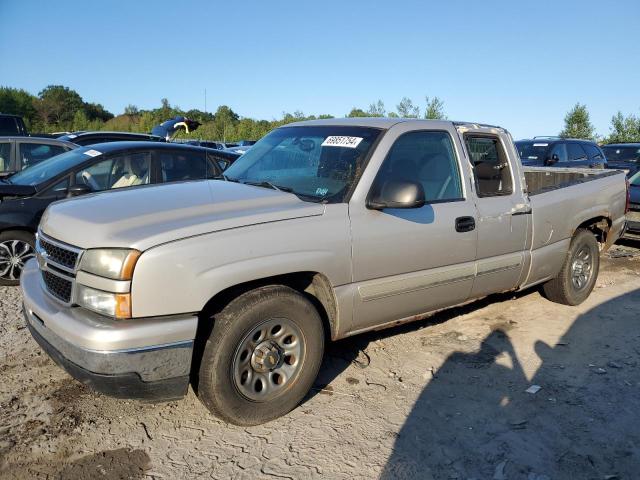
324 229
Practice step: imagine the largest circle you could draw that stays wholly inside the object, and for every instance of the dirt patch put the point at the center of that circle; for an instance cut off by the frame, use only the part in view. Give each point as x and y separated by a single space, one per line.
122 463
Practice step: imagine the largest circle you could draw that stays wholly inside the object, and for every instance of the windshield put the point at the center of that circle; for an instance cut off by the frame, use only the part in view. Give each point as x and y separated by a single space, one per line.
621 154
536 151
318 163
635 179
52 167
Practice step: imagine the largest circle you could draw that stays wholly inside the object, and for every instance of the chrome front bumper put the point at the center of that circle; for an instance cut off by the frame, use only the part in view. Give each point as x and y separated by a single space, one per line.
147 358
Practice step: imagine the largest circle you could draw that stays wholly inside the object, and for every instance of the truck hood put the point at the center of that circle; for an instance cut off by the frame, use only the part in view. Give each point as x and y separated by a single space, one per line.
144 217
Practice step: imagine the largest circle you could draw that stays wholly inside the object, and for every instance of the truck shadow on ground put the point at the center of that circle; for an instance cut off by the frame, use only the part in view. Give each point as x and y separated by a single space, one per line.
475 420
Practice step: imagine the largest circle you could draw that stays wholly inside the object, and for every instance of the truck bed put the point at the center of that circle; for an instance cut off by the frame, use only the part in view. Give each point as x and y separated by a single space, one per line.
545 179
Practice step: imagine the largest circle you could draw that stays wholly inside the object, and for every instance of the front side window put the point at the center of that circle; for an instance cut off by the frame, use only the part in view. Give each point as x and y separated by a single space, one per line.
426 157
490 166
317 163
33 153
119 171
179 165
5 156
576 152
58 190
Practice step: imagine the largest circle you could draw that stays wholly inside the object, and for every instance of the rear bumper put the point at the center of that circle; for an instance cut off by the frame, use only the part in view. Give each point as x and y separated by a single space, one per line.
148 359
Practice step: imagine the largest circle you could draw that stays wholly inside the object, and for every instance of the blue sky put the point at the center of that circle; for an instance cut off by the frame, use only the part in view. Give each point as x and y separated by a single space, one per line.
518 64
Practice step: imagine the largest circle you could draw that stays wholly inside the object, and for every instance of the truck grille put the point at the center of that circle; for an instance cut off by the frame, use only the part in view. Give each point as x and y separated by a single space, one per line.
58 287
59 255
58 263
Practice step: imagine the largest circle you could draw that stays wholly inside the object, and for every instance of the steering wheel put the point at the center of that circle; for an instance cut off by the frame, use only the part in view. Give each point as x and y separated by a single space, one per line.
89 181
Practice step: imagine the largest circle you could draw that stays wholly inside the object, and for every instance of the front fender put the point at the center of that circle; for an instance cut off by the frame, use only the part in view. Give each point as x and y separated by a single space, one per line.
182 276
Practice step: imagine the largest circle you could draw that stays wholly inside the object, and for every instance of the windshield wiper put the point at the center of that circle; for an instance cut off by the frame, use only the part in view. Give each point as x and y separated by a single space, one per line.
225 178
266 184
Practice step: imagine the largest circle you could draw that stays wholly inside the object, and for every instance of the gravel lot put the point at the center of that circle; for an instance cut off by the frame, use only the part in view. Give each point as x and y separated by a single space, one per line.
443 398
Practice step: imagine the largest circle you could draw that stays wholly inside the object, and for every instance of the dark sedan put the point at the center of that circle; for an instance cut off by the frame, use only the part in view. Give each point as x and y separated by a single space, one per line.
633 216
25 195
623 156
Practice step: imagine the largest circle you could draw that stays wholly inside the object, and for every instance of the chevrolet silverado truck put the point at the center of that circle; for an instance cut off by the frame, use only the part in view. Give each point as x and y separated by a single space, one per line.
322 230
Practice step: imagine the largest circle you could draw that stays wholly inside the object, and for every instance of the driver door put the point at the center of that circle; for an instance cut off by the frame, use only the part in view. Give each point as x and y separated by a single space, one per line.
412 261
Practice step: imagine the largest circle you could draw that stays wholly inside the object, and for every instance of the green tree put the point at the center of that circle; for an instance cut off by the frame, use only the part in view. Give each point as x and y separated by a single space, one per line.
131 110
357 112
406 108
57 105
434 109
376 109
577 123
624 129
18 102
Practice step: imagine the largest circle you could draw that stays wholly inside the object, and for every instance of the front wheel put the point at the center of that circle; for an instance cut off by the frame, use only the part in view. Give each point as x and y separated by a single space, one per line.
16 247
262 356
579 272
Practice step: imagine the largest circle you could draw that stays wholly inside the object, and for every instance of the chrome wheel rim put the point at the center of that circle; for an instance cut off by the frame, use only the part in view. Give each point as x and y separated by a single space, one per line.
581 268
13 255
268 360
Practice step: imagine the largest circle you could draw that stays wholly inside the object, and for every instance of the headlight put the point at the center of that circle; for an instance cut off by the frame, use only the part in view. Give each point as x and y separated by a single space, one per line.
116 305
114 263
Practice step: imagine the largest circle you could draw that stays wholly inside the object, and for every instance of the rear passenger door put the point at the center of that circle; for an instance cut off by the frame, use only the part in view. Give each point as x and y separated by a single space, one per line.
182 165
596 156
503 215
577 155
411 261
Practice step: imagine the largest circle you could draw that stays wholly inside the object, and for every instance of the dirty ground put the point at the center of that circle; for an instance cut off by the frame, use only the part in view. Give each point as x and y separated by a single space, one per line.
511 387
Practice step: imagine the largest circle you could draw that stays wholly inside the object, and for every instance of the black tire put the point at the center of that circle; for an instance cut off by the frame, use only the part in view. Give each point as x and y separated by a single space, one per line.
12 243
219 387
562 288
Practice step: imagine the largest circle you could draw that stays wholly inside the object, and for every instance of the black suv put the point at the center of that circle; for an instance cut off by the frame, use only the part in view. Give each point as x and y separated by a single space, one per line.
560 152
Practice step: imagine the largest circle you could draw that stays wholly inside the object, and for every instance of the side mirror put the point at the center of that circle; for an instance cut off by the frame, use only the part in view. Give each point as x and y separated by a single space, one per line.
396 194
79 189
554 159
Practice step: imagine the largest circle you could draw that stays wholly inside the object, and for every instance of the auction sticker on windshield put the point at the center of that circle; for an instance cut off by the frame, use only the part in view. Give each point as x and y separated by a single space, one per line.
93 153
342 141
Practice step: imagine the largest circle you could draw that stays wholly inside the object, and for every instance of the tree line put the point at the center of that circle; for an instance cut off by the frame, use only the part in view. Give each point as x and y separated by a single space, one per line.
57 108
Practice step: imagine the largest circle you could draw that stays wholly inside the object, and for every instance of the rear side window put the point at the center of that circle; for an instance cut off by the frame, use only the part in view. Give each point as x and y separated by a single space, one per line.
176 166
33 153
5 156
428 157
560 151
490 166
576 152
593 151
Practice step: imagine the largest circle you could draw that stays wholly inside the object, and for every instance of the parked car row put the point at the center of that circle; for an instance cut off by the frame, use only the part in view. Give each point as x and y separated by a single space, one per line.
105 166
560 152
322 230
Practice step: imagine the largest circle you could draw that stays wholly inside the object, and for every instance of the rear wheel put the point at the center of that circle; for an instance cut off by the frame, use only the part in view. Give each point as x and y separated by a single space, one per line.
16 247
579 272
262 356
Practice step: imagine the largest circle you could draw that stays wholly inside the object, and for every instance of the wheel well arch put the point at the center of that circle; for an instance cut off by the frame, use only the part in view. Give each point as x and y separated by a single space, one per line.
600 227
315 286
